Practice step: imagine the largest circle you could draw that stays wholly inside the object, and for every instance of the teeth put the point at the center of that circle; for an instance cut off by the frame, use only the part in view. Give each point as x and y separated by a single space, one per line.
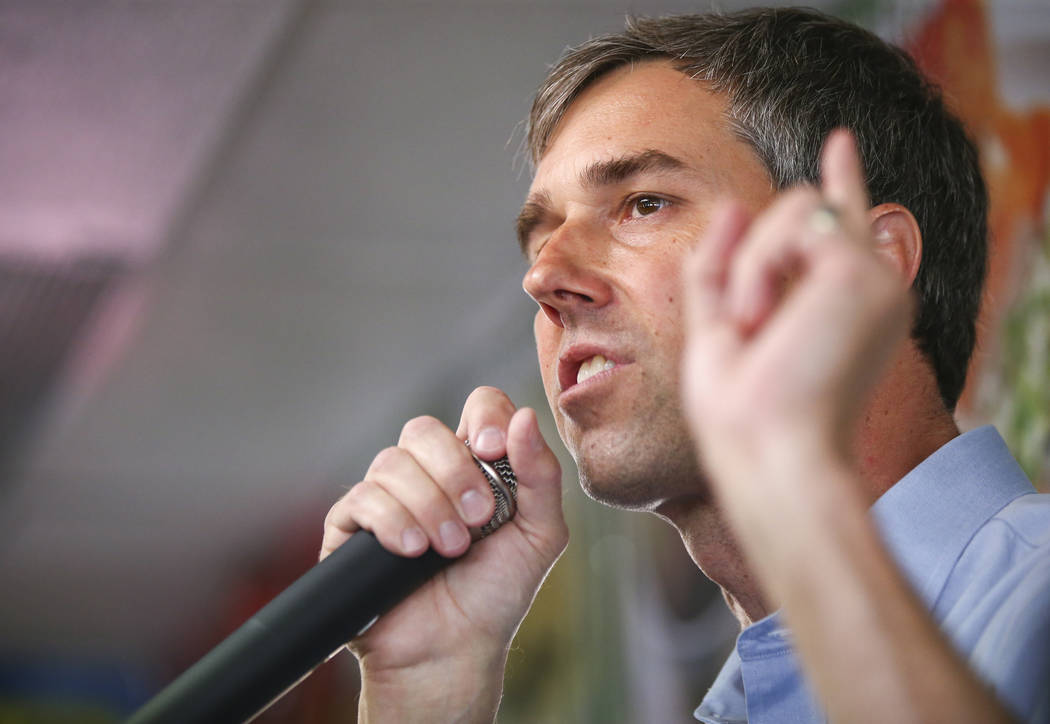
593 366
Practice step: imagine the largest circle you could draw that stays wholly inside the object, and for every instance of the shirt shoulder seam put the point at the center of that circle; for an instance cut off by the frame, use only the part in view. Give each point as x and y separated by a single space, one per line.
995 517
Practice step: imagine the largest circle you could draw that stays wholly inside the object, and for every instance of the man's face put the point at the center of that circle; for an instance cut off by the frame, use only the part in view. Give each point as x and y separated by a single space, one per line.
626 187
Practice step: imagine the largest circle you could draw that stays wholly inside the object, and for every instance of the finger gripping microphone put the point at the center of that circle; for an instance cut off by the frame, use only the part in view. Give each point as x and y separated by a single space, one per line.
308 622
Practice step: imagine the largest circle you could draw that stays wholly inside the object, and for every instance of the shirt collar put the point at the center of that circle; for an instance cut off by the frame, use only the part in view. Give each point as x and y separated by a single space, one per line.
724 703
929 516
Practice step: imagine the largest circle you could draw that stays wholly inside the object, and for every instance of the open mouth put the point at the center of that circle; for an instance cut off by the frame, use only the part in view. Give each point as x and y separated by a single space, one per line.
578 366
590 367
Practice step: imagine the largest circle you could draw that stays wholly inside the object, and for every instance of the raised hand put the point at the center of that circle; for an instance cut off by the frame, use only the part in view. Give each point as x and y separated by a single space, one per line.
790 321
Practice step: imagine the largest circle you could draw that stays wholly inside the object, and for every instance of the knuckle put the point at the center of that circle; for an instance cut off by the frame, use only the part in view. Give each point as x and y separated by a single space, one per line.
373 507
354 497
488 396
419 427
388 518
433 506
457 480
329 518
485 390
483 406
385 458
340 509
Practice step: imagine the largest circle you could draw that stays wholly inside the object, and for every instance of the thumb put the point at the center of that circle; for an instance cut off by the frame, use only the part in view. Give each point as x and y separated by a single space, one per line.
538 473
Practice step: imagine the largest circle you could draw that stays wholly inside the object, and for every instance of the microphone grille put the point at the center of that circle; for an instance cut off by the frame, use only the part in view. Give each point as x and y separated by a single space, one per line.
504 485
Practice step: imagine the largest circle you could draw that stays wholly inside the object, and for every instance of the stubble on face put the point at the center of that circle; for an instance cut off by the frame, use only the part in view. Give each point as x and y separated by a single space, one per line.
634 452
644 467
631 443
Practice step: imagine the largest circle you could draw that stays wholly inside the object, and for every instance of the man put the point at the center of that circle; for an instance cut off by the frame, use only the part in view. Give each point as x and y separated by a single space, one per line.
761 401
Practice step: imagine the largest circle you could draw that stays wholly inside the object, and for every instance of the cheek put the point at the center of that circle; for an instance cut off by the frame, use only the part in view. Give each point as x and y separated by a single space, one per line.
665 323
664 305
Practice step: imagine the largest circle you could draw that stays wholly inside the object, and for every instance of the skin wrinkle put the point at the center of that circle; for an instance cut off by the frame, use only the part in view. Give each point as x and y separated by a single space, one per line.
611 172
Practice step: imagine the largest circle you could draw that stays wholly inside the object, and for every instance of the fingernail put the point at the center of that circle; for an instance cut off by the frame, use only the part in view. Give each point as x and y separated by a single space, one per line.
452 534
412 540
489 440
474 506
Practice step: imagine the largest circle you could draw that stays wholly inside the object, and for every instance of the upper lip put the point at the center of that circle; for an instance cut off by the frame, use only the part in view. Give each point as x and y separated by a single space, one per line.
575 355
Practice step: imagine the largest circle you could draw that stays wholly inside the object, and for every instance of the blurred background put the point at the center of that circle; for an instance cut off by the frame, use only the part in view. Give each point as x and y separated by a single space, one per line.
242 241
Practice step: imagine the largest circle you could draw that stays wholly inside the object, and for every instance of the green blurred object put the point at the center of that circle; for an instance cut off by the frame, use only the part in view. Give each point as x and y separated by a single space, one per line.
1024 415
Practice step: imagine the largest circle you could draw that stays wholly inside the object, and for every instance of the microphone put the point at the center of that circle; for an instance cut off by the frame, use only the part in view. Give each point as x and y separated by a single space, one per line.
308 623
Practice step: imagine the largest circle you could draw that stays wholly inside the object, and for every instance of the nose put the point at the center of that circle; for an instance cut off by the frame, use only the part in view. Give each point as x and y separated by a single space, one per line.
568 278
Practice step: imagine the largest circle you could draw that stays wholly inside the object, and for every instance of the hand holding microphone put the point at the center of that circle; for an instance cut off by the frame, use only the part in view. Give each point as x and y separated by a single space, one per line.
442 649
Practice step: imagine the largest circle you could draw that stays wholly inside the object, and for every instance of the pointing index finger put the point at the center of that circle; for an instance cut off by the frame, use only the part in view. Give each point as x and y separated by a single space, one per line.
842 180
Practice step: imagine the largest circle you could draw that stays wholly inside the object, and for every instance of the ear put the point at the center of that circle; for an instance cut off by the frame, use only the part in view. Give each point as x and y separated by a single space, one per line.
897 238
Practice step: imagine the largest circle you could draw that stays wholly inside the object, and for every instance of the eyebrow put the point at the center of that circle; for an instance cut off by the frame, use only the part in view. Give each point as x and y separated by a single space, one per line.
532 213
618 170
597 175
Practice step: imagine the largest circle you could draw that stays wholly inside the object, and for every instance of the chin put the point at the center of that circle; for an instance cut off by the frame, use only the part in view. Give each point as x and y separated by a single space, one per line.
643 476
616 494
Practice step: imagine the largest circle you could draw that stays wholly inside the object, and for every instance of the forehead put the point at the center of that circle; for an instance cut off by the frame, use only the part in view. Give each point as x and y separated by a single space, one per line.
644 106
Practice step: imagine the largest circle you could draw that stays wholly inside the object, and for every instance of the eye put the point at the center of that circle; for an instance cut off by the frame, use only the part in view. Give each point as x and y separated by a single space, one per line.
646 205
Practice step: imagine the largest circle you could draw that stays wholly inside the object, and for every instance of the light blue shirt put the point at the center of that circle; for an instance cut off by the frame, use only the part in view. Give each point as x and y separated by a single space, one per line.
973 537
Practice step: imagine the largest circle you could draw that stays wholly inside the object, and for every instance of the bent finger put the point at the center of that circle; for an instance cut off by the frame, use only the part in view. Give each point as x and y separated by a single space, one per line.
414 487
484 421
770 256
444 460
367 506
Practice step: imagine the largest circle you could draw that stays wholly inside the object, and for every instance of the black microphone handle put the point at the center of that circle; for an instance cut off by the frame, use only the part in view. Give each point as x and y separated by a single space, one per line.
300 628
310 620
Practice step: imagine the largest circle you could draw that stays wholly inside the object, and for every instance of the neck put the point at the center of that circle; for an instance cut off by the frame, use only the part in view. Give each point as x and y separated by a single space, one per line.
905 423
712 547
